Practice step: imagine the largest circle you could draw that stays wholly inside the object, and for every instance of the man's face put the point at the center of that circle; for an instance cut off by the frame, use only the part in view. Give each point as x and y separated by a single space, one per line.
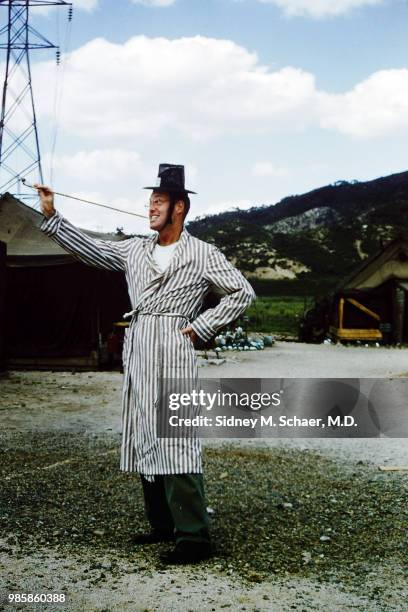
158 207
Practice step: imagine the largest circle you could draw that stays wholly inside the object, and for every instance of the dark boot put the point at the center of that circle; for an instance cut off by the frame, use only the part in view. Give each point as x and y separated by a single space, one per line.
186 552
154 536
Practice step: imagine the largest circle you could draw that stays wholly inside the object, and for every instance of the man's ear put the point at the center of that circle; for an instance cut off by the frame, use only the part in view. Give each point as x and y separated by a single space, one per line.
179 206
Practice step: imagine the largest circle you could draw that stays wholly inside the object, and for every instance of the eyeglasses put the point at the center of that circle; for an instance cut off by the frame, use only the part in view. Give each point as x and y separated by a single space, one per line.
159 202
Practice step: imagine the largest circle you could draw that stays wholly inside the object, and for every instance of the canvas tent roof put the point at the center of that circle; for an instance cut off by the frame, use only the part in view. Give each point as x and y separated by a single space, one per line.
26 244
390 262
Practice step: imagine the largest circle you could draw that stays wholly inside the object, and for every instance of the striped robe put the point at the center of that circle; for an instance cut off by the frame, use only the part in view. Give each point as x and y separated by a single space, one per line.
154 347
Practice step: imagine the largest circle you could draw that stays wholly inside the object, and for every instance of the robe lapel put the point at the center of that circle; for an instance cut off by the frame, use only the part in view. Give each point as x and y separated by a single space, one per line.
149 255
158 276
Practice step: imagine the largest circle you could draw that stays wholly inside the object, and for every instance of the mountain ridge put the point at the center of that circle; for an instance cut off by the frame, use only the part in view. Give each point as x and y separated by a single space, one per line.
312 239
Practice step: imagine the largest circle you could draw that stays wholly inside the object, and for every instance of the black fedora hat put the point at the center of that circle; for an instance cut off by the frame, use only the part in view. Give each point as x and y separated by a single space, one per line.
170 179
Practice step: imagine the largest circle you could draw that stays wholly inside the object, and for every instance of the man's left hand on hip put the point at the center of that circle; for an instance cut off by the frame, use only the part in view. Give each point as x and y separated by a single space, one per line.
189 331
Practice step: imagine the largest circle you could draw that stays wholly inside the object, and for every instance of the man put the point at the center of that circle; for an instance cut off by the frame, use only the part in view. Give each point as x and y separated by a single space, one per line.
168 275
112 346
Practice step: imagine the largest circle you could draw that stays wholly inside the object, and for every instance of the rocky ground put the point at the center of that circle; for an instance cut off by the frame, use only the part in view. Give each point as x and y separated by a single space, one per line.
297 524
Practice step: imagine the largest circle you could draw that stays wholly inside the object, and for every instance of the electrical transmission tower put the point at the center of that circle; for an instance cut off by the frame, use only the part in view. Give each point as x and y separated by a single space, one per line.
19 144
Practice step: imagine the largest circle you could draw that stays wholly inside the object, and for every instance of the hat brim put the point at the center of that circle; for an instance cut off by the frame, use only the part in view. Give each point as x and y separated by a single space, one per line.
170 190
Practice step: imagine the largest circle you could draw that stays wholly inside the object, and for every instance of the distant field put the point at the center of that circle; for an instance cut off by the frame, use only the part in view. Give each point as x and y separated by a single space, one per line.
278 315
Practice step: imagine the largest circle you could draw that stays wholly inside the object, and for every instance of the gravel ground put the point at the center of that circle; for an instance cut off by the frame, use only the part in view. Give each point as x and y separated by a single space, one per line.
286 524
378 451
137 590
67 514
134 589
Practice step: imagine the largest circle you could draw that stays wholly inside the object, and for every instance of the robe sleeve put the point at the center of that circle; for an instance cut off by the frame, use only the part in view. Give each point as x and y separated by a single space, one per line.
222 275
103 254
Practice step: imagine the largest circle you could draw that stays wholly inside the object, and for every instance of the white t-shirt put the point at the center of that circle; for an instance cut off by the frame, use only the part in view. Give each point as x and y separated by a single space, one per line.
162 255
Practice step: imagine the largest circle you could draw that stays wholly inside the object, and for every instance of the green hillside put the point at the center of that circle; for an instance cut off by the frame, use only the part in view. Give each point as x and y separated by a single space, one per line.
305 244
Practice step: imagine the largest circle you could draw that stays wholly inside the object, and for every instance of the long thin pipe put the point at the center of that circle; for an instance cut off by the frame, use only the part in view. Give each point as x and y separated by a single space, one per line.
64 195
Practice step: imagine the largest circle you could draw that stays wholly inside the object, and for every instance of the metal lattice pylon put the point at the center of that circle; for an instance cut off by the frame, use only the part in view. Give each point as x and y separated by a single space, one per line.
19 144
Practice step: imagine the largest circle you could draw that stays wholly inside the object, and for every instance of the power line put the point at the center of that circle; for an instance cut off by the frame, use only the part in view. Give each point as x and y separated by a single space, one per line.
59 85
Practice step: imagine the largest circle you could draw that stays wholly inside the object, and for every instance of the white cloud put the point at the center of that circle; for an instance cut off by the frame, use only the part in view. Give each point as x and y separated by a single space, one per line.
105 176
203 88
199 86
265 168
159 3
219 207
86 5
319 8
105 166
83 5
376 106
98 219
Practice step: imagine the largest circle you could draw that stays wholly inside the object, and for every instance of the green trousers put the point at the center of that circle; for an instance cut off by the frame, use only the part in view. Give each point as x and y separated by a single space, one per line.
175 502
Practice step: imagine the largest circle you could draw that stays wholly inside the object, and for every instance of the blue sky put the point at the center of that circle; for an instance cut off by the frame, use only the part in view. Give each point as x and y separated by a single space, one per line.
259 98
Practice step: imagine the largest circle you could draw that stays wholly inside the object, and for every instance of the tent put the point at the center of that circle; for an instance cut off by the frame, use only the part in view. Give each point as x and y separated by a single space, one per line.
55 311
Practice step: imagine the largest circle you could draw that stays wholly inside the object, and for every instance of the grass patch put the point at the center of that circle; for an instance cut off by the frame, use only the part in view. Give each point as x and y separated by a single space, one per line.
279 315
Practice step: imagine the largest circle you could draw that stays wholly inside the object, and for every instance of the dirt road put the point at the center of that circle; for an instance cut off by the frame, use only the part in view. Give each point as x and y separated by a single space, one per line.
297 360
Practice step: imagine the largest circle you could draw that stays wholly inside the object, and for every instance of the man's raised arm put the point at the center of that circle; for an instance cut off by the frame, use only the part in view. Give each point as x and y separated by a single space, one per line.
98 253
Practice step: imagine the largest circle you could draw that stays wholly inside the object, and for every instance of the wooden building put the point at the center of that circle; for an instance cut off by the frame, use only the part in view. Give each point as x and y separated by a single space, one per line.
372 303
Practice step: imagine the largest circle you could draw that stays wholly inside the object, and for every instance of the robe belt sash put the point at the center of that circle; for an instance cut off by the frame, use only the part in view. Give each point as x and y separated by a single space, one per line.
135 312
